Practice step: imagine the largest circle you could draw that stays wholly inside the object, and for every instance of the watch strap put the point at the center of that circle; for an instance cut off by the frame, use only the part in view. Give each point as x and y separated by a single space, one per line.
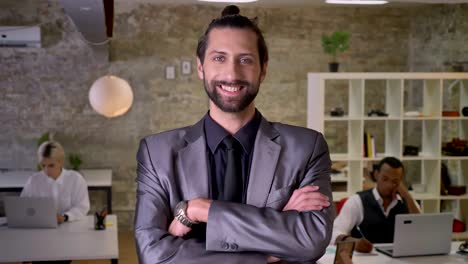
181 214
185 220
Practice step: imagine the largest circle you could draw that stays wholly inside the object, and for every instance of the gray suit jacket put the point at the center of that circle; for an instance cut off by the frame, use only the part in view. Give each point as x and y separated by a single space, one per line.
172 166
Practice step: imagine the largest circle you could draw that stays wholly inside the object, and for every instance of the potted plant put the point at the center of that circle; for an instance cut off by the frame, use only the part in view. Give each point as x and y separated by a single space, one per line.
333 44
75 161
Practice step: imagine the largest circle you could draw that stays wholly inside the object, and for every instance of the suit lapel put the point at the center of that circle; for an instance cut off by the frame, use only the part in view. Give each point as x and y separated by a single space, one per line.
193 163
264 162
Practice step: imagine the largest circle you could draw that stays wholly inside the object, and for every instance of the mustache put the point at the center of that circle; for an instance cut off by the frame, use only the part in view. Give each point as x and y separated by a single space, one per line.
231 83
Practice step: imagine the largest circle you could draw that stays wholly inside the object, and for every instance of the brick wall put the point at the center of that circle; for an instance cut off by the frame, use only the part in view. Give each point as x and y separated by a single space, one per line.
47 89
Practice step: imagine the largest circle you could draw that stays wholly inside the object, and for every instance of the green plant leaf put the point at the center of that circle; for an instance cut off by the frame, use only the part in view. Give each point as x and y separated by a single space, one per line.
75 161
44 137
335 43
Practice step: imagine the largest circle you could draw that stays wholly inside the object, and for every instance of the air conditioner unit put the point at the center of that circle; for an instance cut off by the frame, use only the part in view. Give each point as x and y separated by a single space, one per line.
20 37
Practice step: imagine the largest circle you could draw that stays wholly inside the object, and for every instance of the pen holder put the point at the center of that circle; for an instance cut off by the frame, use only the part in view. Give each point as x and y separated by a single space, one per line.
99 222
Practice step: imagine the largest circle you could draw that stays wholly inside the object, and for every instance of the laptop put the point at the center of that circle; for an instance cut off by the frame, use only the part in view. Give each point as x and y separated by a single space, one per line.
30 212
419 235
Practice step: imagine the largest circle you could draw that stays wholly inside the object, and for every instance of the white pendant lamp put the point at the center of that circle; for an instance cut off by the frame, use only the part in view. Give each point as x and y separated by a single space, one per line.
111 96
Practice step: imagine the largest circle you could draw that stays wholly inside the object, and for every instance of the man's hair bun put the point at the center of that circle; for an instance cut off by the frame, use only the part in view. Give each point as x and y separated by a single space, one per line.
230 10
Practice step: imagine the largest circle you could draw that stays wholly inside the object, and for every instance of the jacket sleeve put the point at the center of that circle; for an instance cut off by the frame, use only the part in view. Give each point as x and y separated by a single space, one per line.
153 216
290 235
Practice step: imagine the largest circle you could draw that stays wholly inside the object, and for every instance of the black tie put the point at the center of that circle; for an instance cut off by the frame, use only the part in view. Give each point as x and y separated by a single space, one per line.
233 176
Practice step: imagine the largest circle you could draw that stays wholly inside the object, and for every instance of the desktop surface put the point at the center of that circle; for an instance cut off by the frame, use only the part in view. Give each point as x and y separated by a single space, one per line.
377 257
72 241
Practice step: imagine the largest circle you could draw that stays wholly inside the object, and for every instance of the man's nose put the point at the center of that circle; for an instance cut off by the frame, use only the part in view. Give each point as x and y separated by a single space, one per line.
233 71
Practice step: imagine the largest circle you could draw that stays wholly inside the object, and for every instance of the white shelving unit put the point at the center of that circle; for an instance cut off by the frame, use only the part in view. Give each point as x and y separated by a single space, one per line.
397 97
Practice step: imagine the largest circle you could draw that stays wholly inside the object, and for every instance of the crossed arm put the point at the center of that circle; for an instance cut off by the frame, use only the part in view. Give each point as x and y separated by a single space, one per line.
300 232
304 199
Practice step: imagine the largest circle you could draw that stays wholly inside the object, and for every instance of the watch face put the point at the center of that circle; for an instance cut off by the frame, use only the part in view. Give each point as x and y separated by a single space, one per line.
180 208
180 213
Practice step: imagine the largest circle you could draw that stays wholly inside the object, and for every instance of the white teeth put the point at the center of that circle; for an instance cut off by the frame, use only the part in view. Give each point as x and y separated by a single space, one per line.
230 88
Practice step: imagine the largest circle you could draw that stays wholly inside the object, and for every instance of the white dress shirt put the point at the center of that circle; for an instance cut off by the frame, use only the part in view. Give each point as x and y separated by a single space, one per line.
69 191
352 214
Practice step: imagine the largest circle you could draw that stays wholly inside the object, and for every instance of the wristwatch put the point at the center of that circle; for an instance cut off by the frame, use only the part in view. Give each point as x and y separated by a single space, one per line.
65 218
180 213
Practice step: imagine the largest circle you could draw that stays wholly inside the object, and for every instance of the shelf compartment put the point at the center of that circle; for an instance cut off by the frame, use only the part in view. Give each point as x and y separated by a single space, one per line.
356 97
454 129
454 95
387 141
432 98
355 134
413 173
430 176
430 206
426 137
431 138
336 134
463 212
337 93
463 94
423 96
338 177
462 172
383 95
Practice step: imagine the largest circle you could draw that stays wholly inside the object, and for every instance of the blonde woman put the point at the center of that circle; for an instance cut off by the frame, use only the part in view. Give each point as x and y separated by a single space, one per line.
67 187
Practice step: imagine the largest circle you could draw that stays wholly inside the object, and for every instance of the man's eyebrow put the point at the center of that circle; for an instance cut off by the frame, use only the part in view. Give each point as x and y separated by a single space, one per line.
224 53
247 54
217 52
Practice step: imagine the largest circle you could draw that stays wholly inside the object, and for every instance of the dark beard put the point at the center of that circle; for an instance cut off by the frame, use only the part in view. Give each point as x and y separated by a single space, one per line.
232 106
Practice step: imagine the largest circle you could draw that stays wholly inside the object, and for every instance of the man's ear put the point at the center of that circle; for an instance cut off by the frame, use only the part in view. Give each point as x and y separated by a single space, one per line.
200 69
263 73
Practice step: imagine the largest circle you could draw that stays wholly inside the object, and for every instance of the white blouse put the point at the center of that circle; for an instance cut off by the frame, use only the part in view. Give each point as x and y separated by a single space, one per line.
69 191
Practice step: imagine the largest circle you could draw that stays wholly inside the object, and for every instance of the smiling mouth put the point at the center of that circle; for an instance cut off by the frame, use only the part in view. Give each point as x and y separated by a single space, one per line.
230 88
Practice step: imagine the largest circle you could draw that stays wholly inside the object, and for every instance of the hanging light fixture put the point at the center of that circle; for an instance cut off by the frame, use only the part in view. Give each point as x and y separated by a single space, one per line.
111 96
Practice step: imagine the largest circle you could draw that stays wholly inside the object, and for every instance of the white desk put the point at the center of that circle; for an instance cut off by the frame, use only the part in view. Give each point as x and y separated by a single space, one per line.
14 181
376 257
70 241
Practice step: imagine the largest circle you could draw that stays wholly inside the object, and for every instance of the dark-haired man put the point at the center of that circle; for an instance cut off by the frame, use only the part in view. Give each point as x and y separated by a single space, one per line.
233 188
369 216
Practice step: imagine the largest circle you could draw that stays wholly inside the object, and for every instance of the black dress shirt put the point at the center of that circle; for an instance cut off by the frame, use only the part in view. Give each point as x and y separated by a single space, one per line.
217 152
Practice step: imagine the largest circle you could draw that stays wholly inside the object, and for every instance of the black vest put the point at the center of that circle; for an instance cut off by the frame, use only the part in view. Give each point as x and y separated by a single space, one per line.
375 226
